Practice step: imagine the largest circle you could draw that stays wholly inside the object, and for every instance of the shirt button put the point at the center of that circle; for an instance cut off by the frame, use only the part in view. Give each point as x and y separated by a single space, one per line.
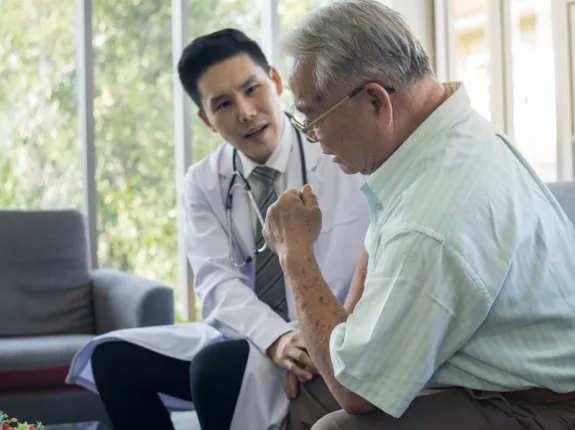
379 206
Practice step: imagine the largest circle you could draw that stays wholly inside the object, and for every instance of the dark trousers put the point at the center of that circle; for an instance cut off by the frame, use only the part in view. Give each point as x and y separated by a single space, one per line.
455 409
129 378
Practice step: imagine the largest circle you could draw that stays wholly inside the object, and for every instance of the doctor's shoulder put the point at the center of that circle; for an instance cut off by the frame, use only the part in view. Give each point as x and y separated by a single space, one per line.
206 170
203 176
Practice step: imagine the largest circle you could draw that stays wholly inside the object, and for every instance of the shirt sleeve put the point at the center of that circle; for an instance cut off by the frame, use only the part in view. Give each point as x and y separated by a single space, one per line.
421 302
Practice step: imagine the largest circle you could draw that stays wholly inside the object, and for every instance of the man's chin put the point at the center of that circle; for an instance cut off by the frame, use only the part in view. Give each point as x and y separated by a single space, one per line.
347 169
260 152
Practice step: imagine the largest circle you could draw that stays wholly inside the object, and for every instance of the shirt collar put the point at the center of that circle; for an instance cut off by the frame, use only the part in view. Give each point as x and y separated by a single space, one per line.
390 177
278 159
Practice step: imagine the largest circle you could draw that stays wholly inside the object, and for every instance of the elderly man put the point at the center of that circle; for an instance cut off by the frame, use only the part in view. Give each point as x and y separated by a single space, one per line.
467 315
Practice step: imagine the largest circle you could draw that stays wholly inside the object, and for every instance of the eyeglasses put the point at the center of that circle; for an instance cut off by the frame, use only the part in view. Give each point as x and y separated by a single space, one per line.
308 128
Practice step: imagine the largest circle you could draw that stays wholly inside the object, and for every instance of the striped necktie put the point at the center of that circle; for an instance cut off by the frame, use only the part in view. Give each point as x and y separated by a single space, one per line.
269 283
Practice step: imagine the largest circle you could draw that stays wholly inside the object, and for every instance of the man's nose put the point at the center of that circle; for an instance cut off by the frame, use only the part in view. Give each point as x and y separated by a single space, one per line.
246 110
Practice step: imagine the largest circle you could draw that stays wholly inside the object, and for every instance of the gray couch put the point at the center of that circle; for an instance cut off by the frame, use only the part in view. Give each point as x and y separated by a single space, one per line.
564 192
51 304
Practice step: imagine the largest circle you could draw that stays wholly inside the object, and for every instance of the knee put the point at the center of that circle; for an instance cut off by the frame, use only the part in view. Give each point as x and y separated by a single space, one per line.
115 358
328 422
105 358
218 364
203 372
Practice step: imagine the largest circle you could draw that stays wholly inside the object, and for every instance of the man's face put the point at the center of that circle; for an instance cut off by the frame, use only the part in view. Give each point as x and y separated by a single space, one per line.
241 102
352 133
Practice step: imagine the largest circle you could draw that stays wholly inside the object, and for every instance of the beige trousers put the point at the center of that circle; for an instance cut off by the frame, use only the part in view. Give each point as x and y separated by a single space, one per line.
455 409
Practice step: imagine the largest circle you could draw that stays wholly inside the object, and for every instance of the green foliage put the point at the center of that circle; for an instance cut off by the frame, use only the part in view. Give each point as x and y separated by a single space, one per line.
40 163
134 137
40 151
290 12
12 423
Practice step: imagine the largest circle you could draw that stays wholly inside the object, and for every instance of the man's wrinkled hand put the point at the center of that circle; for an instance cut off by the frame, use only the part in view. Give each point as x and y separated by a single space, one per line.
293 222
289 352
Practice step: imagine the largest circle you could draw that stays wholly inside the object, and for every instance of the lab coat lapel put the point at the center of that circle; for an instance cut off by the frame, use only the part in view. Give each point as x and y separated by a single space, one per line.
241 210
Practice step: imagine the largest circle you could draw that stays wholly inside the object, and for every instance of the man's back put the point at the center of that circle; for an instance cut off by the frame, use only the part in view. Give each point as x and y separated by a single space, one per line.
526 267
477 197
472 260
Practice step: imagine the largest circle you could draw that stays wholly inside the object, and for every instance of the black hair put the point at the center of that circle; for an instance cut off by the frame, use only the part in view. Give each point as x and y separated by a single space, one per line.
213 48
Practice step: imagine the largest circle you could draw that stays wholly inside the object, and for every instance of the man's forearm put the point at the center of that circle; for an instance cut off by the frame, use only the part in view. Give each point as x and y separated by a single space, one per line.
318 313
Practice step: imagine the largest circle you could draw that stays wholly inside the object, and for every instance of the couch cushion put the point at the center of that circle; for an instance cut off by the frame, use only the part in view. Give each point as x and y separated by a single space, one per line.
37 352
33 363
564 192
45 283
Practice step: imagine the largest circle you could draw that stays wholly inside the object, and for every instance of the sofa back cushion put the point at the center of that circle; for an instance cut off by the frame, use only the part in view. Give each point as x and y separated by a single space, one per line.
564 192
45 285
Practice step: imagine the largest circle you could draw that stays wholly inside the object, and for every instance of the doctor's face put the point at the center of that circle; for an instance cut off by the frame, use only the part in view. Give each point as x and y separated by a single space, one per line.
241 102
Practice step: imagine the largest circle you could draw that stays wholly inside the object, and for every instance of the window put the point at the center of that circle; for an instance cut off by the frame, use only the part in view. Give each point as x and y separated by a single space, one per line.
534 86
206 17
133 110
472 55
290 12
504 54
40 158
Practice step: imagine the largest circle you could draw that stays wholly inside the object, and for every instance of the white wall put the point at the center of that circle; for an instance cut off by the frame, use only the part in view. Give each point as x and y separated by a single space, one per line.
419 16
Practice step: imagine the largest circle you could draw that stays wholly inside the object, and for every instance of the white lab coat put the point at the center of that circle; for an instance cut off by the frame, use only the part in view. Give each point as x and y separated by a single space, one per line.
231 310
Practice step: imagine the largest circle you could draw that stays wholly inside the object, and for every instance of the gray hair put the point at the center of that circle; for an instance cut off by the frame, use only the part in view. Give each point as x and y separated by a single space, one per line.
350 42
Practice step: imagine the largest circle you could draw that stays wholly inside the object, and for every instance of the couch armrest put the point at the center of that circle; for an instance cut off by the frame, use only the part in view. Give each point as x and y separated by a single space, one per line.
123 300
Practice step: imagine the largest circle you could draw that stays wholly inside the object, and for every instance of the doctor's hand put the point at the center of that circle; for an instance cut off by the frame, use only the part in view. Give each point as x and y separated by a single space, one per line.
289 352
293 222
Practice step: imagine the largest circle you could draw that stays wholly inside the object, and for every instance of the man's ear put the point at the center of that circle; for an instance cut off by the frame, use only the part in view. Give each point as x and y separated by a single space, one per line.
378 97
206 121
275 77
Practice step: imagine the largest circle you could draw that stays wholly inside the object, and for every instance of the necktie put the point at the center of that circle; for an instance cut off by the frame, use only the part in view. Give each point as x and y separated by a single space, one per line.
269 284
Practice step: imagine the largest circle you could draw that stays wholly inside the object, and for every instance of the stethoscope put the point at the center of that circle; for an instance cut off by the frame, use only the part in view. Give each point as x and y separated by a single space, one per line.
235 182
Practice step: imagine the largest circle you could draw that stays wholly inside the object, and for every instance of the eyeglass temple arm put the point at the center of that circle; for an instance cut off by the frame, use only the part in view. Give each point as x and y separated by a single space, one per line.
326 113
351 94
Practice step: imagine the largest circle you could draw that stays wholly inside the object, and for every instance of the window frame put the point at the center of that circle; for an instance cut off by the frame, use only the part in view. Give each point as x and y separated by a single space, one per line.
499 28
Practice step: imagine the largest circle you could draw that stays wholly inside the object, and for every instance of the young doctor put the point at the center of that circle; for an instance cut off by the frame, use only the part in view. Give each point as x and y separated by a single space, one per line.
245 360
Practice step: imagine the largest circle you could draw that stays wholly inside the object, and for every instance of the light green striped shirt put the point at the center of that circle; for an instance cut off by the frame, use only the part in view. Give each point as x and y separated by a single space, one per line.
471 274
